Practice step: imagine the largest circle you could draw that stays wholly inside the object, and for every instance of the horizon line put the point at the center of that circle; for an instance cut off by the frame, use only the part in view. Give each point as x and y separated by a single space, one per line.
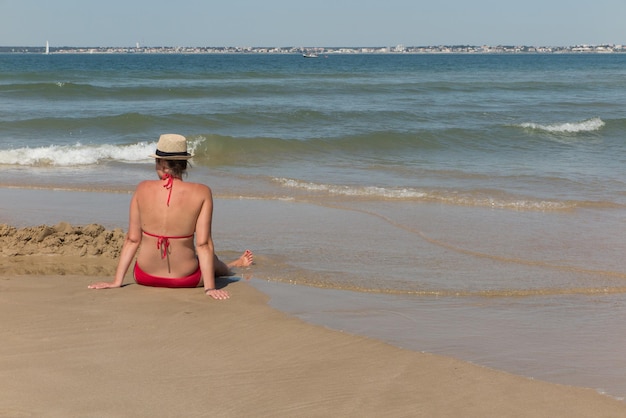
138 46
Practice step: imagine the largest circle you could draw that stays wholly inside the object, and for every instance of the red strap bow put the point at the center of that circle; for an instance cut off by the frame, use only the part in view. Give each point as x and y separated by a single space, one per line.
163 244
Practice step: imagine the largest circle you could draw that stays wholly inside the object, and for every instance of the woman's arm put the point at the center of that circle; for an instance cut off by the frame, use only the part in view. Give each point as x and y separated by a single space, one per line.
129 249
205 249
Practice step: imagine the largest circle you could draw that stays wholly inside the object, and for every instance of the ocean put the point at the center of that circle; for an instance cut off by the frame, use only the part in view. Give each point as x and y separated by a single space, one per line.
462 204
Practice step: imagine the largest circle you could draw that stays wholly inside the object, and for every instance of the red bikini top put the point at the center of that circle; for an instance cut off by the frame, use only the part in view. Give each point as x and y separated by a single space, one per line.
163 242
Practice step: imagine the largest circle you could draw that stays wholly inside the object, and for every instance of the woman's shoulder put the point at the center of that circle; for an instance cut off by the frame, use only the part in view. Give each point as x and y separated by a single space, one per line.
198 187
147 184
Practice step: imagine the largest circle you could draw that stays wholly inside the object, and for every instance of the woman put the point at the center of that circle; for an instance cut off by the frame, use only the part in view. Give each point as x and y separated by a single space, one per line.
165 215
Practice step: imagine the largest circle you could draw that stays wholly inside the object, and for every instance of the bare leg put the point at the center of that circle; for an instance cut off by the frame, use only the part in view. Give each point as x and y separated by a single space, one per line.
223 269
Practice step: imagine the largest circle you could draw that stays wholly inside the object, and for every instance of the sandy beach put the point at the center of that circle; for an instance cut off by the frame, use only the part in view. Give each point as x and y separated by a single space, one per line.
136 351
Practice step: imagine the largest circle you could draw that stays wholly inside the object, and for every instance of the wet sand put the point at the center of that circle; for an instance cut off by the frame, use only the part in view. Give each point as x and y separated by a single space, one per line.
138 351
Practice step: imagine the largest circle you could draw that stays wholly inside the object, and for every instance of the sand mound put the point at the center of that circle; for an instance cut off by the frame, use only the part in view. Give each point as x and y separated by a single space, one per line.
45 249
62 239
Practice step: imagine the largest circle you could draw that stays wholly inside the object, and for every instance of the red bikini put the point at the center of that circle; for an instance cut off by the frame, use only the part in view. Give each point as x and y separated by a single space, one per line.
143 278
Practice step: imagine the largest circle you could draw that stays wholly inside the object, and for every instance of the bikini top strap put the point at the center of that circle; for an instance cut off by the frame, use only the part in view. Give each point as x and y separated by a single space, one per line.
169 183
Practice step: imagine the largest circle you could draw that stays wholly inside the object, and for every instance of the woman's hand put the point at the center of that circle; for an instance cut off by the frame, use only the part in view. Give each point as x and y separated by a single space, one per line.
102 285
217 293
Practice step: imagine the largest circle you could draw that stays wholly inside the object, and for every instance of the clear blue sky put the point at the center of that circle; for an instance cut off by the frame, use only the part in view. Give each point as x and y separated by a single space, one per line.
311 23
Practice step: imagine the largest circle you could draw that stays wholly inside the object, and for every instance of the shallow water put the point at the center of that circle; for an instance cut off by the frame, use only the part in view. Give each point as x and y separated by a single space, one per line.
575 340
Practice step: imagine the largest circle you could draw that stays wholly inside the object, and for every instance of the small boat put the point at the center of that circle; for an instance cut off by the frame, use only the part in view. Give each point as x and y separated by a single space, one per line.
309 55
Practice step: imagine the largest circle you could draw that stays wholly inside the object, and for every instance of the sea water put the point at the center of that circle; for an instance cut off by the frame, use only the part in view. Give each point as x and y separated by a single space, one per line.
470 205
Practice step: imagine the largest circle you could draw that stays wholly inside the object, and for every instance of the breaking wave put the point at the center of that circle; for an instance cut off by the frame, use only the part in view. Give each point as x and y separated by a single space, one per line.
79 154
589 125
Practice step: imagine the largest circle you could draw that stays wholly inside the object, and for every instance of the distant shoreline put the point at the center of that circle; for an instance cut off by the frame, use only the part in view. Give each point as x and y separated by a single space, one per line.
399 49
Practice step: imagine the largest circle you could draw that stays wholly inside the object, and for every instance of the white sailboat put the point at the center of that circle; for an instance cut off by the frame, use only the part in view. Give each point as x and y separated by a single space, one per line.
47 47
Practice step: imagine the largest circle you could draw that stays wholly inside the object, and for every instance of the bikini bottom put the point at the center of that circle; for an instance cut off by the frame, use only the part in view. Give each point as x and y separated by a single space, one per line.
145 279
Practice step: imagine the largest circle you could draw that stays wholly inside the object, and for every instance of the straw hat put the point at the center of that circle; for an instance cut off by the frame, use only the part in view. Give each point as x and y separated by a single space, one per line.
172 147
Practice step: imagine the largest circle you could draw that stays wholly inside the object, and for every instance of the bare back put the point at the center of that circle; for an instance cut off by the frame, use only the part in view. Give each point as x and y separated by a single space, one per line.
189 211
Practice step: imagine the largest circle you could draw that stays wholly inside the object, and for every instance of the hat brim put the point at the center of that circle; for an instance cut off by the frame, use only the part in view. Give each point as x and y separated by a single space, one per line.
171 157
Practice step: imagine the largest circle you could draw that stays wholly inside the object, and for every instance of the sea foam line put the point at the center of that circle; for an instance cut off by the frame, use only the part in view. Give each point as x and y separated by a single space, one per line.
363 191
438 196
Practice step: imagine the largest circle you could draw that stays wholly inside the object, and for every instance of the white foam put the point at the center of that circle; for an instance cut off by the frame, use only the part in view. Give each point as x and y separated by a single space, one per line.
589 125
81 155
76 155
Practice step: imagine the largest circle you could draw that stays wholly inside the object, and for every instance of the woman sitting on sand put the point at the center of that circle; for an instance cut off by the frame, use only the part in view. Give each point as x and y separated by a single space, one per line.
165 215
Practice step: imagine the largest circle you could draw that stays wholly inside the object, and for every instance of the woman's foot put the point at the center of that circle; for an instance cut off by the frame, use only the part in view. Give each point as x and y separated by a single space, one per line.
246 259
